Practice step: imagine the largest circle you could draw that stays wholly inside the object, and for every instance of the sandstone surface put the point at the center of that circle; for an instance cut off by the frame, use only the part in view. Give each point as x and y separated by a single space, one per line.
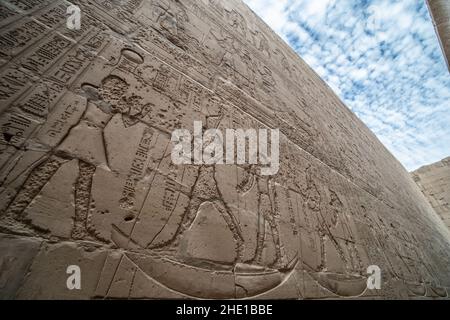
87 178
434 182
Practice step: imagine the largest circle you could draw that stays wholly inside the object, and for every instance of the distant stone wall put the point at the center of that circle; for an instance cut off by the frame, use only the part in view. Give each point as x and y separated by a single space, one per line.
440 13
434 181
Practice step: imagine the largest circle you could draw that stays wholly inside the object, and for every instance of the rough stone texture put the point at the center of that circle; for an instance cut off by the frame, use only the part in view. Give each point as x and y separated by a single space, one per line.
440 13
434 181
87 178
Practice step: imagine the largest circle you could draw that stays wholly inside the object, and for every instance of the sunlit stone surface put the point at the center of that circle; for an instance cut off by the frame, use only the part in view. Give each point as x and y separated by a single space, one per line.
440 13
87 177
434 181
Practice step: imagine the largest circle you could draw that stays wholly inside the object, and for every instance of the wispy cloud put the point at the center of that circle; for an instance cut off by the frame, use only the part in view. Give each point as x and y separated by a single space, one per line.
383 59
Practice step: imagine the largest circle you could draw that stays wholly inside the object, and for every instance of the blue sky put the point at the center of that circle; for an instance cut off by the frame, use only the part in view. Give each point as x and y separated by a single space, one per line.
383 59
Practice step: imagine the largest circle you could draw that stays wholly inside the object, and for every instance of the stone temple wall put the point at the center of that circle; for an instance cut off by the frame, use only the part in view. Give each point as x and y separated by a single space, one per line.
87 178
440 14
434 182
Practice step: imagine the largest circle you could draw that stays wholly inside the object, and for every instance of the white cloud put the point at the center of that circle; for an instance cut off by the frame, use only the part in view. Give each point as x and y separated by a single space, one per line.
383 59
272 12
